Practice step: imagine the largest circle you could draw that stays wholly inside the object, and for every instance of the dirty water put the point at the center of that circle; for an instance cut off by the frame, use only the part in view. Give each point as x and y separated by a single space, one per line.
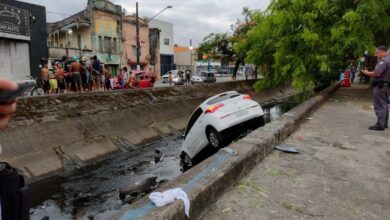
93 191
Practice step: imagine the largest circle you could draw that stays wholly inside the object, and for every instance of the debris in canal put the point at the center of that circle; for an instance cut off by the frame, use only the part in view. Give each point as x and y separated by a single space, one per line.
142 186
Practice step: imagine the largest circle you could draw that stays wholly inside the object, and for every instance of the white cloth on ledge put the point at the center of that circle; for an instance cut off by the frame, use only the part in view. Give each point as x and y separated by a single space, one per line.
169 196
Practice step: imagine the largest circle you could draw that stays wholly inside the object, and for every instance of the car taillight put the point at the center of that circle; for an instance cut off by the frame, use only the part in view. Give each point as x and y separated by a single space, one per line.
214 108
247 97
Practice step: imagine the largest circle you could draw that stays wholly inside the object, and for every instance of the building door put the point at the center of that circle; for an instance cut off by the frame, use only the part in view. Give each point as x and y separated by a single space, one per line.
166 62
14 59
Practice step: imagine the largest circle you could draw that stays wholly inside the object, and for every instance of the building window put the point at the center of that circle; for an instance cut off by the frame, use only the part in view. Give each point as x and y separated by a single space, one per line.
166 41
114 45
107 44
100 43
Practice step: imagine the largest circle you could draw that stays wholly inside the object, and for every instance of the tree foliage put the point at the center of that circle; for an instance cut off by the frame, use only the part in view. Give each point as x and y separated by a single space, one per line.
217 46
306 42
222 46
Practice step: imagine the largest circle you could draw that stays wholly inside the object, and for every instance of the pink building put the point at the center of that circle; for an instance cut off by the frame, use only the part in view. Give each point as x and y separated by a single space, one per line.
129 55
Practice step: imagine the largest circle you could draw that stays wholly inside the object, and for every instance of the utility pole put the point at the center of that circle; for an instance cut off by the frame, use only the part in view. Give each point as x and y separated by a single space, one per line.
137 37
191 49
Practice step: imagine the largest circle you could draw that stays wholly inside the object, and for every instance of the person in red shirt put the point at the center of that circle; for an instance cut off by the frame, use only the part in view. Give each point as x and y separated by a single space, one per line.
60 78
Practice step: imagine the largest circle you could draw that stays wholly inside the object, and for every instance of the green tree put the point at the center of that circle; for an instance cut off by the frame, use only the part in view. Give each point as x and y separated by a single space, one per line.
217 46
223 45
306 42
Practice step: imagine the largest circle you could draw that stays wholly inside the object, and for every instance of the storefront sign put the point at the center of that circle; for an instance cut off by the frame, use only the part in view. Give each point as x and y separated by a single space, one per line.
14 23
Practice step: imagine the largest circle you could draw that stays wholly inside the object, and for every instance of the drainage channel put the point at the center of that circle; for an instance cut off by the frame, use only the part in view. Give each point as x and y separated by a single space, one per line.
93 192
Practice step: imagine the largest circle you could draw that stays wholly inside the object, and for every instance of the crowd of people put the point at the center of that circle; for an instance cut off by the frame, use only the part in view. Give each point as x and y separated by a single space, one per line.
72 74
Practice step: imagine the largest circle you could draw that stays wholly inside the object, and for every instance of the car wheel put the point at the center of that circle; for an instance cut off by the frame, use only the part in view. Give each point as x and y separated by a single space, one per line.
185 162
215 139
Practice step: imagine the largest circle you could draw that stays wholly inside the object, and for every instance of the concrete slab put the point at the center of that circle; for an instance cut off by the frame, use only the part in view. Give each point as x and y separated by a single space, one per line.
34 167
92 150
342 171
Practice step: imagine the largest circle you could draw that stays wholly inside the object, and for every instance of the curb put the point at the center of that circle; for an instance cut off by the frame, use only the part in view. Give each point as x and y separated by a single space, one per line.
206 182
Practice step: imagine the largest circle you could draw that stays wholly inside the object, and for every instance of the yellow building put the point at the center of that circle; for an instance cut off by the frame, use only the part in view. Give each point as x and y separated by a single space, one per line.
97 30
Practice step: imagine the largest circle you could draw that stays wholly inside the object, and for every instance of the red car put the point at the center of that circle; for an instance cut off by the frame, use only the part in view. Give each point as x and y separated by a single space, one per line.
141 80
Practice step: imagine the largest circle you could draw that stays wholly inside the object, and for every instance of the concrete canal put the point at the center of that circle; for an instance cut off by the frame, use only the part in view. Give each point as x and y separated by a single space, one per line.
92 192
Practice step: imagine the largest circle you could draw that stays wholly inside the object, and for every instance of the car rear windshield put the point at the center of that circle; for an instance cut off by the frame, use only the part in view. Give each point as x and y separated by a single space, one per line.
223 97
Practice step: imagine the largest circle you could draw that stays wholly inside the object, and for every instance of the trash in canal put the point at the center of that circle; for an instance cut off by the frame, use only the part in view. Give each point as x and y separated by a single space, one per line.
137 189
287 149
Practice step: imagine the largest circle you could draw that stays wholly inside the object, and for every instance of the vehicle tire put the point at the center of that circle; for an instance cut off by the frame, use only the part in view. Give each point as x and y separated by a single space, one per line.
215 138
37 92
185 162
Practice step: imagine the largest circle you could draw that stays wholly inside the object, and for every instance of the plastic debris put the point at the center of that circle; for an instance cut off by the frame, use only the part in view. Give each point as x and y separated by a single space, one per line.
169 196
287 149
230 151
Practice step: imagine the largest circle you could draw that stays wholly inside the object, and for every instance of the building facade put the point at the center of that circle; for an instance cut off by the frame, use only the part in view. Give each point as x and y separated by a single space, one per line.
130 43
97 30
185 58
22 39
166 44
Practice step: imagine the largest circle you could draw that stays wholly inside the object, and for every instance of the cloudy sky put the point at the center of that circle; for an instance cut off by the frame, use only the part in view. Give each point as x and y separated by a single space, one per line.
192 19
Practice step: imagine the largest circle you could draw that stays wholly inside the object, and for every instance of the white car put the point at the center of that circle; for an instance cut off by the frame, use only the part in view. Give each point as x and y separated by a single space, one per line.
177 77
204 77
217 121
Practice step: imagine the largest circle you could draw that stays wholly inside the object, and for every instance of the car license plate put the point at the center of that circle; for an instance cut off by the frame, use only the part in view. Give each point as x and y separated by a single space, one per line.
242 113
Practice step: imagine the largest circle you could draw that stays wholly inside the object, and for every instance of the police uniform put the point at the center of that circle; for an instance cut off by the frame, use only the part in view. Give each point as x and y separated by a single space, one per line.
381 84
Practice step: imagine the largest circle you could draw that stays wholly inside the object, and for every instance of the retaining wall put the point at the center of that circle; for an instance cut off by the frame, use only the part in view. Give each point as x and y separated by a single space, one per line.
52 134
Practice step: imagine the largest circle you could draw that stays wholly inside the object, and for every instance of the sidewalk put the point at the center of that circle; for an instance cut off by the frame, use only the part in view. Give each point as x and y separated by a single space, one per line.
342 171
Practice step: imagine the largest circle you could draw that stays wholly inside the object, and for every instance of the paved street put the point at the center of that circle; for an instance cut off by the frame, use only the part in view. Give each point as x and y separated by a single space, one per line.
342 171
219 79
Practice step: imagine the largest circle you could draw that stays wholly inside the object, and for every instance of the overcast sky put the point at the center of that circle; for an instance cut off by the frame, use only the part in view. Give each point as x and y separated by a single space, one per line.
192 19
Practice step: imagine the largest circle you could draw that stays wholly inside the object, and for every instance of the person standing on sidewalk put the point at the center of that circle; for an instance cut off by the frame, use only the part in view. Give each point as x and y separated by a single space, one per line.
381 85
75 68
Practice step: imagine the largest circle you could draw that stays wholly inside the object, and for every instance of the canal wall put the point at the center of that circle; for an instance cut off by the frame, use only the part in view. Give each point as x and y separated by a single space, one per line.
207 181
52 134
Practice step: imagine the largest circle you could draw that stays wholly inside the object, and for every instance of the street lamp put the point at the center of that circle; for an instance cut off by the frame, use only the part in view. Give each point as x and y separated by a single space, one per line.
168 7
137 31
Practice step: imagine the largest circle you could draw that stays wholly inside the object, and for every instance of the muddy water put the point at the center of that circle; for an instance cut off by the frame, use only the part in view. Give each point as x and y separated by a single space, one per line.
93 190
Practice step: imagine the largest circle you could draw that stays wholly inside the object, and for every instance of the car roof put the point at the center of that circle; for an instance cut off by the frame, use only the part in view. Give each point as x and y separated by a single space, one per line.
218 98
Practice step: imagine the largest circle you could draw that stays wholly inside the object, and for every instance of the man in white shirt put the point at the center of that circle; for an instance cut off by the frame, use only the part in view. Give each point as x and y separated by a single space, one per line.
125 77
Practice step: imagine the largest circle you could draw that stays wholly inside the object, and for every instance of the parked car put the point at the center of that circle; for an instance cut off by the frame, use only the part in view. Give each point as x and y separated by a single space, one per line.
177 77
142 81
217 121
204 77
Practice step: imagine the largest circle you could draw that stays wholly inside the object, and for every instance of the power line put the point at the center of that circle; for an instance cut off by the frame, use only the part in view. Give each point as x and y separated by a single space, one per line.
57 13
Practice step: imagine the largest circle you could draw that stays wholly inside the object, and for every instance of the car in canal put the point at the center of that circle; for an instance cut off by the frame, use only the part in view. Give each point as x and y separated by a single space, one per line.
204 77
217 121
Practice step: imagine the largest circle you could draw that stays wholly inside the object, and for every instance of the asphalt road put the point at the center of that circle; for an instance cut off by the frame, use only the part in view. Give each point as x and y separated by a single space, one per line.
219 79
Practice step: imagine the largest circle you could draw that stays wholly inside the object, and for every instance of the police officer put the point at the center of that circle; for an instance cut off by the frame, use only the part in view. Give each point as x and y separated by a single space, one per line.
381 85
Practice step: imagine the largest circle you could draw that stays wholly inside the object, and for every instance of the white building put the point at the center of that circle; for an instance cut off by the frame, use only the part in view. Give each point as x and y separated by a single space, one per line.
166 44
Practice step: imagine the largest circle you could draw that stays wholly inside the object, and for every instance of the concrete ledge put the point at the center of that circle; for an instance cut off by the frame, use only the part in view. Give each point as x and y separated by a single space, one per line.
208 180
